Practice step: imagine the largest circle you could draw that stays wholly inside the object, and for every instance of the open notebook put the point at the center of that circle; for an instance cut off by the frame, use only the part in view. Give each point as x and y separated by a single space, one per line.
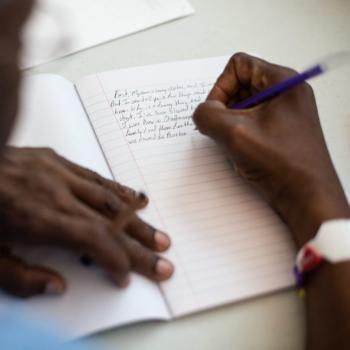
134 125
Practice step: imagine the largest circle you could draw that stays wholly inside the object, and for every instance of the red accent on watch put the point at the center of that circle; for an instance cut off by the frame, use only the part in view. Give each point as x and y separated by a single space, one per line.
311 258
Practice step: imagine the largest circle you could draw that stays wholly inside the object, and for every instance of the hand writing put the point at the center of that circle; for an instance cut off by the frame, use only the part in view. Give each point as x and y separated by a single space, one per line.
278 146
45 199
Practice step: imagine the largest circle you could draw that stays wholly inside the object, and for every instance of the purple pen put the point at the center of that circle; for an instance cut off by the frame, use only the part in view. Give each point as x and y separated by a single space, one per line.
330 62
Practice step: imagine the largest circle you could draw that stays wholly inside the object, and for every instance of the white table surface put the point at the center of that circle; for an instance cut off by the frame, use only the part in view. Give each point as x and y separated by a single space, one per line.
290 32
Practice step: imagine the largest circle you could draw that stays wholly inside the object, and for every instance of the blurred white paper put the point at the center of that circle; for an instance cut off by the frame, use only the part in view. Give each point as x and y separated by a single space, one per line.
86 23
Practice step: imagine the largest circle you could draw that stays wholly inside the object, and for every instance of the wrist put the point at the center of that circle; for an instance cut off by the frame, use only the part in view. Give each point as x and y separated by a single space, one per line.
305 209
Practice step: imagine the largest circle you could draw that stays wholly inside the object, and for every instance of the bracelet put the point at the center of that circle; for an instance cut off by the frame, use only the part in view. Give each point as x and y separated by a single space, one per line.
331 244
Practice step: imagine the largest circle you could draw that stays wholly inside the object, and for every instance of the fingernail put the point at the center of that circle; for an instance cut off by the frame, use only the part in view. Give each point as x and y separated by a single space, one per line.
142 197
123 283
54 288
164 268
162 240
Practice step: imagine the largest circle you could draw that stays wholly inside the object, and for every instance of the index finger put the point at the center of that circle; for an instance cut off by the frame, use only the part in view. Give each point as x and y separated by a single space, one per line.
126 194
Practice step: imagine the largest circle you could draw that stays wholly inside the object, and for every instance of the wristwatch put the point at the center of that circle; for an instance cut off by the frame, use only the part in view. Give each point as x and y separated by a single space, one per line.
331 243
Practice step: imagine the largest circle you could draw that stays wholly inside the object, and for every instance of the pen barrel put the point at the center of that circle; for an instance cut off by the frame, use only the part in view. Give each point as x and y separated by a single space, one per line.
277 89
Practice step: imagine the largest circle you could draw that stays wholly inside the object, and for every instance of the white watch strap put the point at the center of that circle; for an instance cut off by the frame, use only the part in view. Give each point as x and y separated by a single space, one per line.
333 240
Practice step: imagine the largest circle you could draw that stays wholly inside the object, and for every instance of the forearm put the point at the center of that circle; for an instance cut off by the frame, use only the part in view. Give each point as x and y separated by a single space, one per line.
327 297
279 147
312 201
327 303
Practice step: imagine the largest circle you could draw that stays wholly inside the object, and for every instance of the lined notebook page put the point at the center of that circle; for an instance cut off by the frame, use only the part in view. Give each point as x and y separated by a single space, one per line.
228 245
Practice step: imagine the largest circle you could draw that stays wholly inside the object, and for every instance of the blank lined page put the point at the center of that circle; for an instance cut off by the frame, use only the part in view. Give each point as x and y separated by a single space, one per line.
228 244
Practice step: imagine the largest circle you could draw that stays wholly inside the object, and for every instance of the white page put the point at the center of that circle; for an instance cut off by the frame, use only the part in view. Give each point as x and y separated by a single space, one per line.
87 23
53 116
227 243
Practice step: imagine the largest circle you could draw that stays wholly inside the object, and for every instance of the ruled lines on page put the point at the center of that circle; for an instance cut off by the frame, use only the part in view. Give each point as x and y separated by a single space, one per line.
227 243
113 142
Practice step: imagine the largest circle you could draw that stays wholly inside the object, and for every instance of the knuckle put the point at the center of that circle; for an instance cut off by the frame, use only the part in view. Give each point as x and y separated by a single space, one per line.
125 191
89 238
97 233
308 89
239 133
283 73
44 159
143 257
141 231
238 57
37 226
239 130
124 194
246 63
111 204
48 152
96 177
42 183
93 173
237 62
289 72
57 223
124 259
148 230
63 201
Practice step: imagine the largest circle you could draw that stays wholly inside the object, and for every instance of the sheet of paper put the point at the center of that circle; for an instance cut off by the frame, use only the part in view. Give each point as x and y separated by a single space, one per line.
53 116
227 243
86 23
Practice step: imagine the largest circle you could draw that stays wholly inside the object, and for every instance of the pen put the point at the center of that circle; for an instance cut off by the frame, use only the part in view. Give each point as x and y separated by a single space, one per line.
332 61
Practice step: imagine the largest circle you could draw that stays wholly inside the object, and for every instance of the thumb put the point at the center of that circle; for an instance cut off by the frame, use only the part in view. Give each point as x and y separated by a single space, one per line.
22 280
214 119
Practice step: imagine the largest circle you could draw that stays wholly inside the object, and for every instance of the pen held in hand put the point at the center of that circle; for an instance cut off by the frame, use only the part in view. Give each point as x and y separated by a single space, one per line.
329 63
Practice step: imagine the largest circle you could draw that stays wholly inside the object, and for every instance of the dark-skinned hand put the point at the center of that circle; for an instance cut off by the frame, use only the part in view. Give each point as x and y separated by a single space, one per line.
277 146
47 200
